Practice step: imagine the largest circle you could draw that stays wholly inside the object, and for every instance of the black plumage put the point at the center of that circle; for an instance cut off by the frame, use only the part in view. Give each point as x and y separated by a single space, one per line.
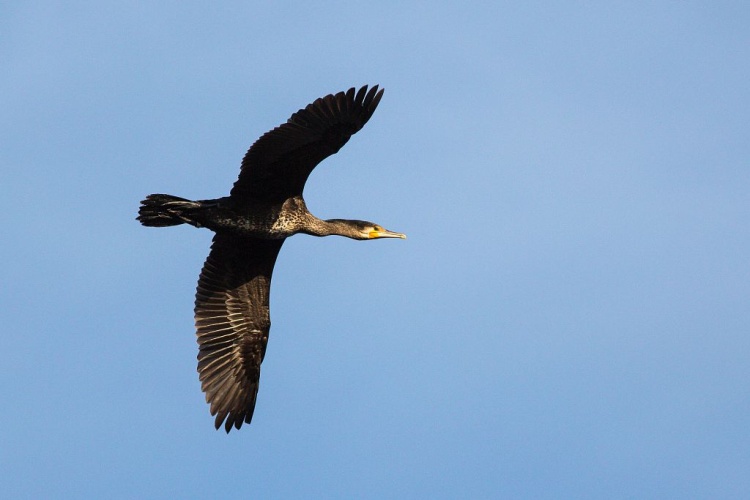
264 207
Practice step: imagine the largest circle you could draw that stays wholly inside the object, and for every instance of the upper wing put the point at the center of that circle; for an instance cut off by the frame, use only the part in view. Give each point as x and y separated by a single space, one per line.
276 167
232 321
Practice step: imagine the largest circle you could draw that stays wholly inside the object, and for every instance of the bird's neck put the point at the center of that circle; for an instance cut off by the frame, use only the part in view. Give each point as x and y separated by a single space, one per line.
338 227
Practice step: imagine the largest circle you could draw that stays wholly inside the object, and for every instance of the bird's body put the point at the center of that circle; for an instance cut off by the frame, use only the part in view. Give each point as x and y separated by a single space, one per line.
264 208
261 220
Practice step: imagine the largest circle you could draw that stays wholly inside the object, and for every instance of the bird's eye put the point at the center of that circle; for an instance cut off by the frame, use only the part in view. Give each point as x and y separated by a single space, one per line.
377 228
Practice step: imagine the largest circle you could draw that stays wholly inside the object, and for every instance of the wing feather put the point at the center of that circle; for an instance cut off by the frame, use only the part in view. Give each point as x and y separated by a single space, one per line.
278 164
232 322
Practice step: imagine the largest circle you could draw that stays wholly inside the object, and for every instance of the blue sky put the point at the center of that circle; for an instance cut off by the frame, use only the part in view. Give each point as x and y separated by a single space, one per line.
569 318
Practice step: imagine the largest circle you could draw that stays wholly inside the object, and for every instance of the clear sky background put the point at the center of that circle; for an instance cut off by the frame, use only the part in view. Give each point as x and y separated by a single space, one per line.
569 317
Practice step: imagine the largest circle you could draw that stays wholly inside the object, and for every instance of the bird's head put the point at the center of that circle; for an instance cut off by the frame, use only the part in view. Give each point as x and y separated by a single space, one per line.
375 231
363 230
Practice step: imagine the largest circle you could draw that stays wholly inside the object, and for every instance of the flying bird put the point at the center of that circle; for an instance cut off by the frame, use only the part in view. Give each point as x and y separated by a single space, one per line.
264 207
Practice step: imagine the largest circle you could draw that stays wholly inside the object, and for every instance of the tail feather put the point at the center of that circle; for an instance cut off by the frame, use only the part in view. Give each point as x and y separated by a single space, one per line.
161 210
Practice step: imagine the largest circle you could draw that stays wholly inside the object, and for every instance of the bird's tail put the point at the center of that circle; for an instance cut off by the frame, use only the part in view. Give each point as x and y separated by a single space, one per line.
160 210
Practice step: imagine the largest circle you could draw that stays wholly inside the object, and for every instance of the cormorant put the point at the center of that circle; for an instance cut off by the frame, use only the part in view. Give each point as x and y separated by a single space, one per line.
264 207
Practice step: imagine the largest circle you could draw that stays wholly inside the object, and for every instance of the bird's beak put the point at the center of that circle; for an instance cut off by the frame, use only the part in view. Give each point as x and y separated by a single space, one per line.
384 233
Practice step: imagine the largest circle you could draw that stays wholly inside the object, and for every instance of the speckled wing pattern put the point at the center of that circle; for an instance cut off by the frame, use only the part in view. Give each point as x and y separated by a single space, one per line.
232 321
277 165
